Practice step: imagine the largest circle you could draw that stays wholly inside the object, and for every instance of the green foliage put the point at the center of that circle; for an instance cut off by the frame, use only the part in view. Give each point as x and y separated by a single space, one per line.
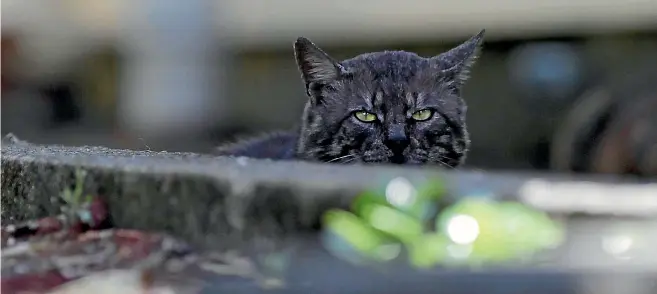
349 234
75 198
474 230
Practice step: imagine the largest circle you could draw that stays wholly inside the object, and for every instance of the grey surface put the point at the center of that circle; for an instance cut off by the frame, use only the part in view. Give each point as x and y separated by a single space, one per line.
580 267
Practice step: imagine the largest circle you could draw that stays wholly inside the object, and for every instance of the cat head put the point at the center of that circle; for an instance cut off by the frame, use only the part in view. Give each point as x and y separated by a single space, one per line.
385 107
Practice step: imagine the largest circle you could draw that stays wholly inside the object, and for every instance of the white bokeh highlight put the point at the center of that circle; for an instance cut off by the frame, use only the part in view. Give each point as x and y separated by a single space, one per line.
463 229
618 245
400 192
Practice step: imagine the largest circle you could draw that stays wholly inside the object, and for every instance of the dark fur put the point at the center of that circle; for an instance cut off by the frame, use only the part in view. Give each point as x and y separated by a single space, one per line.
278 145
390 84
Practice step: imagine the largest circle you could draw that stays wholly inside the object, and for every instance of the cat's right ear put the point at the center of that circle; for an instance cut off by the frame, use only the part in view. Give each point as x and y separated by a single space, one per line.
457 62
314 64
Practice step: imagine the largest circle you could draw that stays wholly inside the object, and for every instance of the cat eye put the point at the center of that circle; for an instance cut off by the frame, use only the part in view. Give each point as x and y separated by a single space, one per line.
365 116
421 115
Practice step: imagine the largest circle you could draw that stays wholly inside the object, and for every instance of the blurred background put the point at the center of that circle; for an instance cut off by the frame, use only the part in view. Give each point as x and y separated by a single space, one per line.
567 85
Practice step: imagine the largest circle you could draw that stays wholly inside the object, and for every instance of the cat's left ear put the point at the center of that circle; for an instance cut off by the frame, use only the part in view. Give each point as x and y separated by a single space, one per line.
314 64
456 63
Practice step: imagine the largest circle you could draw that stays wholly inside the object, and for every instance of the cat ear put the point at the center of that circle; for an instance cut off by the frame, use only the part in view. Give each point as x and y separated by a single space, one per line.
314 64
456 63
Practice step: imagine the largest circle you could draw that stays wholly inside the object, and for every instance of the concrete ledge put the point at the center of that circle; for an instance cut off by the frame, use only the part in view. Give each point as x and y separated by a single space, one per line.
214 200
223 202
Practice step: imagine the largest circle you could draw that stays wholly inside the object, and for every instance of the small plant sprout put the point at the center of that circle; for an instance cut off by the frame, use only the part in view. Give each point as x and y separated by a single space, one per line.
75 200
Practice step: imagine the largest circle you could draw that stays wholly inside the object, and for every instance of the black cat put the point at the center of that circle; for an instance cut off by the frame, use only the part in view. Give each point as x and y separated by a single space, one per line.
381 107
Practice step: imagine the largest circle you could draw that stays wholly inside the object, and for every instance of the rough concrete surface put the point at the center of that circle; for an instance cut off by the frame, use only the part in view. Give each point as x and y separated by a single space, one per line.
199 197
204 199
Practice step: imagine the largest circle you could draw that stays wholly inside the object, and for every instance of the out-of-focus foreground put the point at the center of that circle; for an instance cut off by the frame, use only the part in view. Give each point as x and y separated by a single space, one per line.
185 75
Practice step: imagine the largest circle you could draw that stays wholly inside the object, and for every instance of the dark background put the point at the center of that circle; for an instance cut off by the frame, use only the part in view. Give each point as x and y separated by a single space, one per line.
188 75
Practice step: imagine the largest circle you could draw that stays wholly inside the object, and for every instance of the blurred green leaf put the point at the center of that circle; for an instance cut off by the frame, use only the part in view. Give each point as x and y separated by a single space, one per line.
392 222
491 241
367 198
360 236
428 250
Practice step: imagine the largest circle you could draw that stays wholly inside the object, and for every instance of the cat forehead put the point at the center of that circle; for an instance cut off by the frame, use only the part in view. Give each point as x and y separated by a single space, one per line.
390 72
387 55
386 62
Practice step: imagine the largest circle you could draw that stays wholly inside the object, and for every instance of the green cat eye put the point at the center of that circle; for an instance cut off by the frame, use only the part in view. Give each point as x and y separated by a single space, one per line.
365 116
421 115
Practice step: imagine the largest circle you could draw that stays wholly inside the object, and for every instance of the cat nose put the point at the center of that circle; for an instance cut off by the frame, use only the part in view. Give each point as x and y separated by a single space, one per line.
397 139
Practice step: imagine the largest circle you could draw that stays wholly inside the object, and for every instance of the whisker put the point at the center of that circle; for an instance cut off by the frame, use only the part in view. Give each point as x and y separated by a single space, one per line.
444 163
350 159
341 157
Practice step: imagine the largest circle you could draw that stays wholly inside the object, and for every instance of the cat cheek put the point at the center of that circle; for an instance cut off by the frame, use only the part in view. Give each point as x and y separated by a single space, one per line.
363 129
428 128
